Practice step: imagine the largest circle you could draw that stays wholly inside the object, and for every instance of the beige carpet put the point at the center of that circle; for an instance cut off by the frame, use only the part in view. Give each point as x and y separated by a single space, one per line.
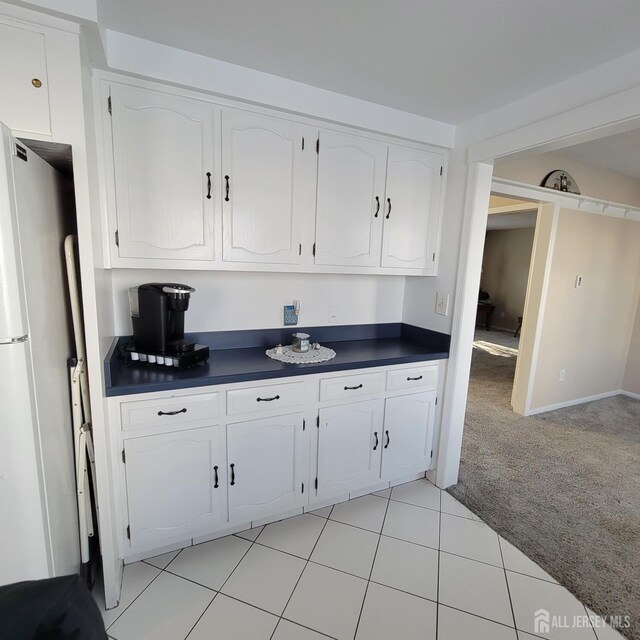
563 486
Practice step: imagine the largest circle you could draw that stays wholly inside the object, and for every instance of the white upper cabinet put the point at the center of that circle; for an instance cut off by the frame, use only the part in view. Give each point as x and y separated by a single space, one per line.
351 182
412 208
266 461
175 485
163 151
24 97
265 189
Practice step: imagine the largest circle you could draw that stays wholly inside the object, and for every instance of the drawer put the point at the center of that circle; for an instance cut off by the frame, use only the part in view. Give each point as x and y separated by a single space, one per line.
265 398
197 410
351 387
423 377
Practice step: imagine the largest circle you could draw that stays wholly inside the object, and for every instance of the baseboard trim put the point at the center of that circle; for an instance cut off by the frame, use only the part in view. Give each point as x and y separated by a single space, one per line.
630 394
576 401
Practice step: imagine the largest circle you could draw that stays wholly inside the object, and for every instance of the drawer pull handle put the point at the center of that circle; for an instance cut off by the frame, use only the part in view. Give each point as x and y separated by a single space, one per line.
388 439
268 399
226 188
233 474
172 413
208 185
377 207
215 477
353 388
375 446
389 211
416 378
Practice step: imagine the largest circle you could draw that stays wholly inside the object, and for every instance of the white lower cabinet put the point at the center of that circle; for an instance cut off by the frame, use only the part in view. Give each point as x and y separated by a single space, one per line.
408 434
176 485
267 467
349 447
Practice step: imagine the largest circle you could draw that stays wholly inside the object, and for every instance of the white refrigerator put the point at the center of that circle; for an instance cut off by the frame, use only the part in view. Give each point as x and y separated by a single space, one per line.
38 509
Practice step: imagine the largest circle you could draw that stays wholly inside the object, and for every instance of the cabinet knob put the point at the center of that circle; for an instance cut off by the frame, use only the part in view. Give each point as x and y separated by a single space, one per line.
36 82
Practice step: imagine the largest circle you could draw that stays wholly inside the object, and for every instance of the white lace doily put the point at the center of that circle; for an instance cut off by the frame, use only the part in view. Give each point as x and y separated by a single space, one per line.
293 357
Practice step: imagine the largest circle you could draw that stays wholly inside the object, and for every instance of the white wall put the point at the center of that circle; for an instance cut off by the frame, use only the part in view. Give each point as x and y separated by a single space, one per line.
587 331
237 300
631 380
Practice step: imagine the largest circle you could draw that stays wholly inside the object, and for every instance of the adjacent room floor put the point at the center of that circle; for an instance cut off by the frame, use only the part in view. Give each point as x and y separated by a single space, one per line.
410 563
562 486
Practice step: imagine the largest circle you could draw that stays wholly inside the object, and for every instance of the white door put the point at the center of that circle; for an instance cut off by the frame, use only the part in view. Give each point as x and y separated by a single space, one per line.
351 180
163 148
266 467
24 99
176 485
265 190
412 208
349 447
408 434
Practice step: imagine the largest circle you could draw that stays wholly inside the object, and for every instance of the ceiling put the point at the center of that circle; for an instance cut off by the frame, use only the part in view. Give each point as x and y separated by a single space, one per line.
437 58
619 153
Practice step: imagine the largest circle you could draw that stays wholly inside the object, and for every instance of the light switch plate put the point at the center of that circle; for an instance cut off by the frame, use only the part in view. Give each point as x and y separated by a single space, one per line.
442 304
290 315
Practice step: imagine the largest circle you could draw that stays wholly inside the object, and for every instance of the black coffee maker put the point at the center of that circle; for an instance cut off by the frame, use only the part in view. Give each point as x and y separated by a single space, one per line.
157 315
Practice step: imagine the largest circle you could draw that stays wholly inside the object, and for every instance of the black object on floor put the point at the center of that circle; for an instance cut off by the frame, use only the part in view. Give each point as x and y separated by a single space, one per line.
52 609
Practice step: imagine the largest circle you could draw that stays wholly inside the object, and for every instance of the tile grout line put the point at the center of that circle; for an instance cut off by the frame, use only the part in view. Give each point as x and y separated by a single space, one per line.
355 633
506 579
302 572
438 568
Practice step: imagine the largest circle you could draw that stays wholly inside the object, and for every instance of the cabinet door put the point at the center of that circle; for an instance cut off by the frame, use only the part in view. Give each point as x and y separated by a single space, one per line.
162 153
264 188
349 447
408 434
175 485
351 180
266 467
412 208
24 105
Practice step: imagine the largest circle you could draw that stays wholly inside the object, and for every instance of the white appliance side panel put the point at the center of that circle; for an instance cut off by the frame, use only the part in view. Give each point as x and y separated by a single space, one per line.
13 319
23 539
42 207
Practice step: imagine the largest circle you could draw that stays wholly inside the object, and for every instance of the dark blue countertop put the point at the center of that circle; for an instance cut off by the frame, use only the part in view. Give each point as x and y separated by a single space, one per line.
239 356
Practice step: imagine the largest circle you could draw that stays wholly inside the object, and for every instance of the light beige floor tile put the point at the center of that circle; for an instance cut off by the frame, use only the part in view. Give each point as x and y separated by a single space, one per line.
290 631
346 548
384 493
366 512
210 563
166 610
323 513
327 601
448 504
265 578
163 560
530 595
420 493
458 625
515 560
407 566
136 577
474 587
603 630
469 538
413 524
250 534
388 613
232 620
297 535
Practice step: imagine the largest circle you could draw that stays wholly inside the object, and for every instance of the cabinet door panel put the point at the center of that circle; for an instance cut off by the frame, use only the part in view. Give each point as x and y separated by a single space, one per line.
262 157
23 106
408 434
411 228
162 152
268 467
171 491
348 457
351 179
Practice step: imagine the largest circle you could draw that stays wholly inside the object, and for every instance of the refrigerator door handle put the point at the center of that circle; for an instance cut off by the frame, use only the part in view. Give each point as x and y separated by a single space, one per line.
17 340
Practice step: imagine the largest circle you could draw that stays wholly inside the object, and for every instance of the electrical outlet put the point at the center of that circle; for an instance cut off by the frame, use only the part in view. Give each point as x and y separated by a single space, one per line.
442 304
562 373
290 315
333 313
